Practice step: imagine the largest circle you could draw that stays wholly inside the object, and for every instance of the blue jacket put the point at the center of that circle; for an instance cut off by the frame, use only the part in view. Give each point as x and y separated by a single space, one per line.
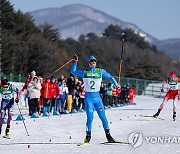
80 73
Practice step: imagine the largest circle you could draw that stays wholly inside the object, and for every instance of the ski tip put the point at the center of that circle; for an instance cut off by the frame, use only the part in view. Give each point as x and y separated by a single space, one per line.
83 144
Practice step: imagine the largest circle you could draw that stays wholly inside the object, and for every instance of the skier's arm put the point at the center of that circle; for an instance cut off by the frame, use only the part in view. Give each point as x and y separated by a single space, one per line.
26 84
162 86
16 90
76 72
178 80
109 77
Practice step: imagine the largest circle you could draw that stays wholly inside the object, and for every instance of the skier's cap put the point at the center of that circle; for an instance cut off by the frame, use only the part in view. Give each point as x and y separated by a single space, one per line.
4 81
173 73
91 58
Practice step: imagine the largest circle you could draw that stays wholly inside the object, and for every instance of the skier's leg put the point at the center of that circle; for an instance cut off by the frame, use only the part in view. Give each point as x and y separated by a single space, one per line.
10 110
166 98
2 112
174 107
101 113
174 103
10 107
2 115
89 114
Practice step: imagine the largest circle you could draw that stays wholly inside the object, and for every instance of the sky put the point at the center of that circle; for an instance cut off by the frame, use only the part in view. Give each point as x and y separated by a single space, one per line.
159 18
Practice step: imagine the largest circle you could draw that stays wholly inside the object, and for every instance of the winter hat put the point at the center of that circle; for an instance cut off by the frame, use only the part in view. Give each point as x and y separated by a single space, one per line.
91 58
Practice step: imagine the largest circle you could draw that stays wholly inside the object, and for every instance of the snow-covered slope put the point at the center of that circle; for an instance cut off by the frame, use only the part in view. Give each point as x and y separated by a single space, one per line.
67 130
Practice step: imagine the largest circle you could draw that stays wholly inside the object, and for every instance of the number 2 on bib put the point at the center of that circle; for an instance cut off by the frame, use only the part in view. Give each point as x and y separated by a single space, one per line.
92 83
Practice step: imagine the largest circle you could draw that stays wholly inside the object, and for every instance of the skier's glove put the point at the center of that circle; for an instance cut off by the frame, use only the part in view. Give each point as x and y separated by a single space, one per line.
75 58
162 90
118 86
17 100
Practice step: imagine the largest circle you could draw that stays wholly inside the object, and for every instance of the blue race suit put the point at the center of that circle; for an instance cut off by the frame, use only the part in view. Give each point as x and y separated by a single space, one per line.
93 99
7 102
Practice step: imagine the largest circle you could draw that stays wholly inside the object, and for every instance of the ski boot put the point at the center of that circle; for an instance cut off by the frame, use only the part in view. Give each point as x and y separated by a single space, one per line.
88 137
7 133
109 137
157 114
174 116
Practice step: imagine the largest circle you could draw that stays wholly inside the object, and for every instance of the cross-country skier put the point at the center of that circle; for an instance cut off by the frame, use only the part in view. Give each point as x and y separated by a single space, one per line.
172 81
7 92
92 78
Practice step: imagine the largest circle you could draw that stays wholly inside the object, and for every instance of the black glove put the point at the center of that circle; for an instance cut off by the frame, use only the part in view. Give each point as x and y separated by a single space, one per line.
17 100
75 58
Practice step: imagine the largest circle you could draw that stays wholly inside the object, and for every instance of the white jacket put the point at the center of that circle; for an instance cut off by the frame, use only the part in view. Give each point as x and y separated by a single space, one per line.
34 89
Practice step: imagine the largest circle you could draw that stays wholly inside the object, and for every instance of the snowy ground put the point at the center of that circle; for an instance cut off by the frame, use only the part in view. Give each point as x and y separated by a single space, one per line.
67 130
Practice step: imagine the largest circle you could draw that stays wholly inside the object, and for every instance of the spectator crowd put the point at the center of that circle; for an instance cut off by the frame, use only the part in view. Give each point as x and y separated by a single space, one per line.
66 95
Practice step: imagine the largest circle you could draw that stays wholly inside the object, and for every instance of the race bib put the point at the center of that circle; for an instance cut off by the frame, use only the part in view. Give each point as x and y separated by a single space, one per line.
92 80
92 84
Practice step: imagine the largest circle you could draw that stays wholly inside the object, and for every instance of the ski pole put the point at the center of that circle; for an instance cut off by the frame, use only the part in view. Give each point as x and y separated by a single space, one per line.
122 50
60 67
23 120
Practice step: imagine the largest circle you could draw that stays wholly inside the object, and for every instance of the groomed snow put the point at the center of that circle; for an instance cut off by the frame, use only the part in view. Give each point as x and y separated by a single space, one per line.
67 130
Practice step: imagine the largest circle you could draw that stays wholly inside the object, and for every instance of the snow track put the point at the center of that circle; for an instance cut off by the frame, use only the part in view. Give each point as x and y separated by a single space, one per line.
60 134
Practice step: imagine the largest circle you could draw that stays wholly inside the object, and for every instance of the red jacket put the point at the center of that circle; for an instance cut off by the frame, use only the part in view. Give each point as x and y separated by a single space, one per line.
55 91
132 92
46 91
28 80
82 94
114 92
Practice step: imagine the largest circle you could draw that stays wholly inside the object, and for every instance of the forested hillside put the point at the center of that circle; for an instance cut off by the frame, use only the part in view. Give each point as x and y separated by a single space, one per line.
26 47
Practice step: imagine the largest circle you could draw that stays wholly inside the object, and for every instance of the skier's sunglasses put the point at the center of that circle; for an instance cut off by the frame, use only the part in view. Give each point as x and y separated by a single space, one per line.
92 60
5 86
